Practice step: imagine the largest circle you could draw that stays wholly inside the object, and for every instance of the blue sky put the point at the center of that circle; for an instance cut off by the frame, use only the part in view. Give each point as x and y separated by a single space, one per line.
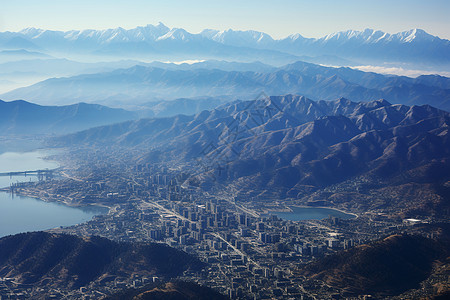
311 18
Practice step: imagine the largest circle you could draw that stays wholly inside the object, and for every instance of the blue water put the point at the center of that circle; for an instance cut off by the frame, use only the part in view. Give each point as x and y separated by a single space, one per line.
22 214
311 213
23 161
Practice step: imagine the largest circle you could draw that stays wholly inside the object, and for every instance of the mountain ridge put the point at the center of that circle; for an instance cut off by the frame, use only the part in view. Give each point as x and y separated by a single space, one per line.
288 144
158 82
157 31
364 46
22 117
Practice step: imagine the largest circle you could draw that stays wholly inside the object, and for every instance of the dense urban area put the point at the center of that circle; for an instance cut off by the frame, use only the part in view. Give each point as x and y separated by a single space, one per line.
249 252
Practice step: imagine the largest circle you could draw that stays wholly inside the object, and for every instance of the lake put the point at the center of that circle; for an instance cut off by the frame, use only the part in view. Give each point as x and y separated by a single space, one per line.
23 161
312 213
22 214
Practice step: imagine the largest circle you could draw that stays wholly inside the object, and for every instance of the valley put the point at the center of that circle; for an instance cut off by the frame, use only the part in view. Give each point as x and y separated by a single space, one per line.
250 150
197 199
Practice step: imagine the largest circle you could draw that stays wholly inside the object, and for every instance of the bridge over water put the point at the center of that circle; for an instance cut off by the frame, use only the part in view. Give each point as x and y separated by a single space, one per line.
41 174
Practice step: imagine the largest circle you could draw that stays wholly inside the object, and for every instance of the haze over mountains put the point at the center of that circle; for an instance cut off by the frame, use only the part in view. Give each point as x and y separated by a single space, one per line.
142 84
21 117
233 69
365 46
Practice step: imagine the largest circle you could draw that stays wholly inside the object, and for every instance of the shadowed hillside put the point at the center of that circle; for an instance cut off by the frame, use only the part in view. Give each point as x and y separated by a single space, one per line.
385 268
177 290
67 261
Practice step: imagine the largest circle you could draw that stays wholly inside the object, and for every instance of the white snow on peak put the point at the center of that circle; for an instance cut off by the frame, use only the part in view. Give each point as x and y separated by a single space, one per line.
31 31
372 36
160 26
209 33
248 38
118 35
411 35
176 34
138 34
349 34
295 36
237 38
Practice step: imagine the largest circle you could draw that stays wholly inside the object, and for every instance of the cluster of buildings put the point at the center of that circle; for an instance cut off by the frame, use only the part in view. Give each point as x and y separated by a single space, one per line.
249 254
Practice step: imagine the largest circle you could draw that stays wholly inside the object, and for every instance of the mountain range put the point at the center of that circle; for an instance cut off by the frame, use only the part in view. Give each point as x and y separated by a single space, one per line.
368 46
292 146
21 117
141 84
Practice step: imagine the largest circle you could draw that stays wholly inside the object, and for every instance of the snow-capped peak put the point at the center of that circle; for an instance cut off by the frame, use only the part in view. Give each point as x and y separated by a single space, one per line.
31 31
414 34
209 33
176 34
295 36
238 37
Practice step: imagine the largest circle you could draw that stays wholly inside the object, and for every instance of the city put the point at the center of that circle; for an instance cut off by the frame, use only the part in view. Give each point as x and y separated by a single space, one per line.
213 150
249 251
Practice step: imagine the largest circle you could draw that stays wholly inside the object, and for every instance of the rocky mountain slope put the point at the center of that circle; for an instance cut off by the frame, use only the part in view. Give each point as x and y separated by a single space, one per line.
176 290
69 262
383 268
291 144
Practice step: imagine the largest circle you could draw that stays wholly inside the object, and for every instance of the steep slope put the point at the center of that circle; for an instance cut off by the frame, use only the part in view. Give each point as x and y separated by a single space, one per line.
176 290
68 262
291 145
382 268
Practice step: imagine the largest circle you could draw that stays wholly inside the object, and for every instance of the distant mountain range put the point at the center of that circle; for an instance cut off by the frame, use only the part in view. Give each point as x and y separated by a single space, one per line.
291 144
57 67
141 84
356 45
21 117
19 54
368 46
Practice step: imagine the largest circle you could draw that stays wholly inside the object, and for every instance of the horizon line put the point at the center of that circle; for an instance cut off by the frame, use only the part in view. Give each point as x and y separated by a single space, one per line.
218 30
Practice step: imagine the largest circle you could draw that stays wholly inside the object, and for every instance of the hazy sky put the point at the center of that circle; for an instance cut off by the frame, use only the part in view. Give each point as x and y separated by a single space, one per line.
311 18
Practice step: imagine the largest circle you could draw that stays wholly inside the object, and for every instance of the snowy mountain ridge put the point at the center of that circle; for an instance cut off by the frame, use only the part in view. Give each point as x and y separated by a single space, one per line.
156 32
159 42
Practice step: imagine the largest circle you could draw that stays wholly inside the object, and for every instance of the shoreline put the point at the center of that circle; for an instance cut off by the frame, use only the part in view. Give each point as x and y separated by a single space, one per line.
48 155
90 211
49 200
